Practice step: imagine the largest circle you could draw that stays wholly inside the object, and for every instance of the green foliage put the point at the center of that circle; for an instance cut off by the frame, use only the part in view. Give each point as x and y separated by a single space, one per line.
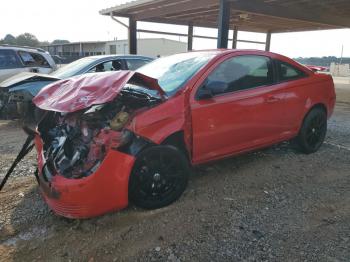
9 39
322 61
59 41
25 39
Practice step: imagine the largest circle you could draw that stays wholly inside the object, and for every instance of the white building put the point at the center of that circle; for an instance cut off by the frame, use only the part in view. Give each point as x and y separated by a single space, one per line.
340 69
151 47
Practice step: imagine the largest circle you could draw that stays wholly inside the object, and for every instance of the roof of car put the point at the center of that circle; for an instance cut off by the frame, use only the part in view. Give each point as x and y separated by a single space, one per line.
24 48
117 56
229 51
223 50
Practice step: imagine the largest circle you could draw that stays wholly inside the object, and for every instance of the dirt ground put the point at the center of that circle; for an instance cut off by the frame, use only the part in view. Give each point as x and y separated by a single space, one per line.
275 204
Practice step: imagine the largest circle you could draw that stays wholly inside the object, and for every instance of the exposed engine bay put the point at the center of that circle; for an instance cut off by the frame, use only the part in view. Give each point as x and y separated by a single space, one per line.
75 144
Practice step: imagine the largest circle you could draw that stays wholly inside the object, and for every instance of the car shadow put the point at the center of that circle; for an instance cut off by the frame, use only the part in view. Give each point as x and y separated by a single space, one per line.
237 162
32 227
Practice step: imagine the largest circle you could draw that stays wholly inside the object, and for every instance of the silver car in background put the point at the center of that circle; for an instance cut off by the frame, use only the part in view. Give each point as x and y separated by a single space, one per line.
17 92
16 59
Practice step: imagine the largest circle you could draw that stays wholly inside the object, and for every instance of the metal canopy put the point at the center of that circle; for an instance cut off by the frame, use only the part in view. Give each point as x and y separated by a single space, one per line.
274 16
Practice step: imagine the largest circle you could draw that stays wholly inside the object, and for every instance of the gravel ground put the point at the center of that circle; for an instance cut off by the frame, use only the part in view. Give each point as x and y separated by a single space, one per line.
271 205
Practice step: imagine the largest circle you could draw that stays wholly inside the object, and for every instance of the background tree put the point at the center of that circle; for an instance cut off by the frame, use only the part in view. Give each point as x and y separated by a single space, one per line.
322 61
27 39
59 41
9 40
44 43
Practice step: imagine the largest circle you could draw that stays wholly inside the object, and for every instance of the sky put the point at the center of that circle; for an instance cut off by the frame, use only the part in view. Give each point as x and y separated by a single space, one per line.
79 20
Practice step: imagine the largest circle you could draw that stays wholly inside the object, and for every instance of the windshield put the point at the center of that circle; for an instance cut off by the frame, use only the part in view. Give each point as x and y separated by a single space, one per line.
174 71
72 68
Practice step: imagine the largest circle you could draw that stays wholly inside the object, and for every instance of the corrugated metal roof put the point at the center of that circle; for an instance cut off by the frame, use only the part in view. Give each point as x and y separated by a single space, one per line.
250 15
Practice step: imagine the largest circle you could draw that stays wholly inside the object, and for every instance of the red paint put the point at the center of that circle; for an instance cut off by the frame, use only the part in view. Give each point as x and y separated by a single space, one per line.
240 121
83 91
104 191
317 68
214 128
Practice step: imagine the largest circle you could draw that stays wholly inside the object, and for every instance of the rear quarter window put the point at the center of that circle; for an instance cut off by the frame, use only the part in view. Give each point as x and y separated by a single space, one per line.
288 72
9 59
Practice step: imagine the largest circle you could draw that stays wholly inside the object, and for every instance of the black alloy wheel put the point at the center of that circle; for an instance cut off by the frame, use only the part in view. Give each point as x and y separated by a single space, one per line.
159 177
313 131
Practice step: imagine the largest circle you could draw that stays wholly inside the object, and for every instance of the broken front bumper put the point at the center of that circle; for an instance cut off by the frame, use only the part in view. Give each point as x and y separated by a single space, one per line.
104 191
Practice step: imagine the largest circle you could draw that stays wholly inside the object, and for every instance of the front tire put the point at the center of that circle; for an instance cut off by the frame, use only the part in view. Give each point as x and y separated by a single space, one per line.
313 131
159 177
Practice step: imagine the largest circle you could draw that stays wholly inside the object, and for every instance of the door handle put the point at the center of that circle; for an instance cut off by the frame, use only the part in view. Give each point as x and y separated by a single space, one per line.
272 99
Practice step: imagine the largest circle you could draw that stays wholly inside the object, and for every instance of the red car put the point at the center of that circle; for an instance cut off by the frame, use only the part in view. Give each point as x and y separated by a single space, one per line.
110 138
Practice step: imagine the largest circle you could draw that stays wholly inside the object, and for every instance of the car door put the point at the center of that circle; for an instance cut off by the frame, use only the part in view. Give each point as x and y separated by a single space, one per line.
294 82
9 64
41 64
244 112
35 62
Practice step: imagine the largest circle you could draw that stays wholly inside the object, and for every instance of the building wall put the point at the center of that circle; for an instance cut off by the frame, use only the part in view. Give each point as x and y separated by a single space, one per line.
339 70
77 49
93 49
152 47
117 47
161 47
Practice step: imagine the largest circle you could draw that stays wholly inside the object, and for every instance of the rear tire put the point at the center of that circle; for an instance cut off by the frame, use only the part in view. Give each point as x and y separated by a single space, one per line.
313 131
159 177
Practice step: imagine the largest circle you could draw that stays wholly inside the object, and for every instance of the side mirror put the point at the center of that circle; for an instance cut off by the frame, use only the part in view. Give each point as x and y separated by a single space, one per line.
210 89
204 93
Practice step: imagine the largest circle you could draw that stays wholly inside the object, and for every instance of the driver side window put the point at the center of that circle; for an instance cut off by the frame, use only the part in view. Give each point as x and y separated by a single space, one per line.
240 73
114 65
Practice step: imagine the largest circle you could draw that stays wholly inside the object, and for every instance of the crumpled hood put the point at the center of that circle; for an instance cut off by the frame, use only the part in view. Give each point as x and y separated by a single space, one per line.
80 92
25 77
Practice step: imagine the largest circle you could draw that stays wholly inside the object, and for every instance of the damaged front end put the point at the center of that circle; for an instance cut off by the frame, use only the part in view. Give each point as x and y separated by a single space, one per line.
75 144
85 156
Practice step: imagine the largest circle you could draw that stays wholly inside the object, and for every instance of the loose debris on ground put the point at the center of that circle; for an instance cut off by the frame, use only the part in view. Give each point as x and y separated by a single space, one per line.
271 205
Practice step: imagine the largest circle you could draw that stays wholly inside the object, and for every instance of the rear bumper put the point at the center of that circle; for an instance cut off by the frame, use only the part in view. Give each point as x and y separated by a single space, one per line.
104 191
